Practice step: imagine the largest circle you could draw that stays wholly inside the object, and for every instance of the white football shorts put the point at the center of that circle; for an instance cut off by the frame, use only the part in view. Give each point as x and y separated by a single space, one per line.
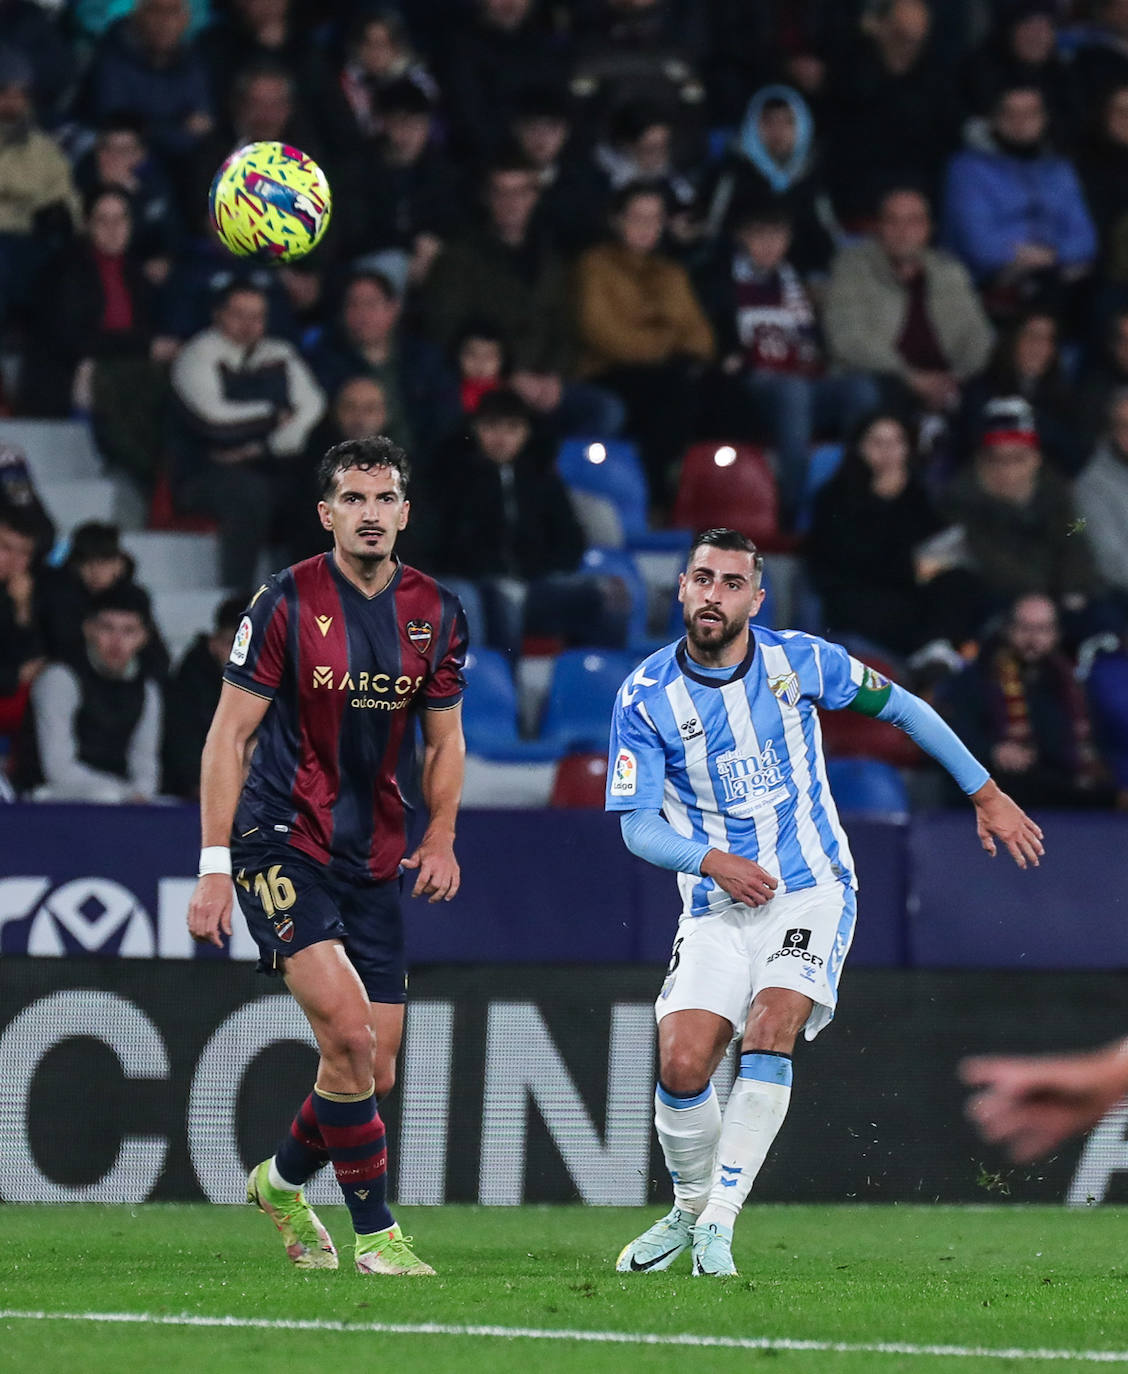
798 941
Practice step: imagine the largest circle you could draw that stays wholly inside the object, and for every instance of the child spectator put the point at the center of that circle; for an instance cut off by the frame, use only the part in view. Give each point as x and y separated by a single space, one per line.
482 363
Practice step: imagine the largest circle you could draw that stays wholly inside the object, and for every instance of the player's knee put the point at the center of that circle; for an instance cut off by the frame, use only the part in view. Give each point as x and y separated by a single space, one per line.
684 1070
352 1047
773 1027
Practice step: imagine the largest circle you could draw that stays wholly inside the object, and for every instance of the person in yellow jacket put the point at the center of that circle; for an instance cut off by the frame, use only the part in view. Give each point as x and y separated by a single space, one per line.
35 179
642 331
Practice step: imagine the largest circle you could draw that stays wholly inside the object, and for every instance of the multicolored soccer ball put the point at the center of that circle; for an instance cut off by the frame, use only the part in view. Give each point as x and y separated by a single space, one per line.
270 202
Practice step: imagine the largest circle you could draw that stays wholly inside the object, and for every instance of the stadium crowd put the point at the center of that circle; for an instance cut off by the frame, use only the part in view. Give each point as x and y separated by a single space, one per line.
897 227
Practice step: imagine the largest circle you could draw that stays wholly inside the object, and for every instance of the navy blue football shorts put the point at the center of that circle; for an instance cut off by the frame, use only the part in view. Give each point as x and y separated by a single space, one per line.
291 901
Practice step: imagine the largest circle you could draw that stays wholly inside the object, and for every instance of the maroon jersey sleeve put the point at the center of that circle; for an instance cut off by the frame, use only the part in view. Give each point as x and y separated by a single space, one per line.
258 653
444 688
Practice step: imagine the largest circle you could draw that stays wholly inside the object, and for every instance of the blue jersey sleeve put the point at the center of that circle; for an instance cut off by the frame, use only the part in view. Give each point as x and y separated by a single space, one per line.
835 677
636 763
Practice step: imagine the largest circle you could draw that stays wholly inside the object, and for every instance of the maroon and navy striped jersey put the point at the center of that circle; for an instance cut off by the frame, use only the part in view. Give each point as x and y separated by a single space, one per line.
345 674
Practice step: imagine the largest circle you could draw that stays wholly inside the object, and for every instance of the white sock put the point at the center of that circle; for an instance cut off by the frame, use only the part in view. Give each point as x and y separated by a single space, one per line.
755 1112
277 1181
688 1130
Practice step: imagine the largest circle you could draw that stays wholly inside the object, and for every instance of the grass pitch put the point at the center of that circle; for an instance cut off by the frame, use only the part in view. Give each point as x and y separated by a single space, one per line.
1049 1286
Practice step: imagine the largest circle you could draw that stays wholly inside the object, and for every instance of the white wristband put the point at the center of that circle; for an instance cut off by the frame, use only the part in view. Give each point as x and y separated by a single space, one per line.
215 858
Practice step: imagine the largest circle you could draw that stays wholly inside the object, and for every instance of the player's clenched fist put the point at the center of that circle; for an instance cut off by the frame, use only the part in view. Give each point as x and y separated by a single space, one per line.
743 879
209 911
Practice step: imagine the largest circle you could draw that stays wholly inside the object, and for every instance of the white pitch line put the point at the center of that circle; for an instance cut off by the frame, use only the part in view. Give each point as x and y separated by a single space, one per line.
530 1333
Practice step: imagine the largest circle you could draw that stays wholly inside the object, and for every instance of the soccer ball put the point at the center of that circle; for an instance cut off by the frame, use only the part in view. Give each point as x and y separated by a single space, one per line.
270 202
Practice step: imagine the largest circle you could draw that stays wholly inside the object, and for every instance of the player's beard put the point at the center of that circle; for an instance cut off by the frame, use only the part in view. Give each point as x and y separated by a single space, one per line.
729 630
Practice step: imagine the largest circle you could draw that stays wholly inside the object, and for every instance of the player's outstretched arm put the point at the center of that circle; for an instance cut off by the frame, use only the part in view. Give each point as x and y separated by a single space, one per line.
997 817
236 719
444 763
1031 1105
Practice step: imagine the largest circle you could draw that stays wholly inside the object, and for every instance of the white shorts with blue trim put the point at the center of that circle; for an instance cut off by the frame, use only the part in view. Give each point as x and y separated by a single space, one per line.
799 941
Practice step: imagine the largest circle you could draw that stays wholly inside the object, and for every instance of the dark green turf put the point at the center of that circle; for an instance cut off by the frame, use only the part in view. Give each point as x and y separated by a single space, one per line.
995 1277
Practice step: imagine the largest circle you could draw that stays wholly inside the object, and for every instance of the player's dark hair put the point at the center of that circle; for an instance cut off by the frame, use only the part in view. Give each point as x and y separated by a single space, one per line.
730 541
378 451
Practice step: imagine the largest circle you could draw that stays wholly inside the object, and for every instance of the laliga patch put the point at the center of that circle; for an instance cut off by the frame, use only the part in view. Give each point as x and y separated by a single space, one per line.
242 642
420 632
624 775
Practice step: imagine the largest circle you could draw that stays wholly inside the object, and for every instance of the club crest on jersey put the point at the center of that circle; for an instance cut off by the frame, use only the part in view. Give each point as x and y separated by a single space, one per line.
624 775
284 930
786 688
242 642
420 632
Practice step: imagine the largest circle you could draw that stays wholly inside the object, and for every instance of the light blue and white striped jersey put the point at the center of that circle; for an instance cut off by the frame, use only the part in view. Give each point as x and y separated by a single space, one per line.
735 759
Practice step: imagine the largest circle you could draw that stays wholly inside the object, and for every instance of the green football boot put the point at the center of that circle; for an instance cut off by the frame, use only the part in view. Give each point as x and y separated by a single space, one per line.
306 1239
389 1252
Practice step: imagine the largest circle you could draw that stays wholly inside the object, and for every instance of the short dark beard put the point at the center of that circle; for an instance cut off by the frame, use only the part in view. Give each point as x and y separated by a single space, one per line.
716 648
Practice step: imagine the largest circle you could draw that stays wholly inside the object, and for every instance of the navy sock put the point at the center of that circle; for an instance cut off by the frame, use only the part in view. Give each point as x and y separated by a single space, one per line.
354 1136
303 1151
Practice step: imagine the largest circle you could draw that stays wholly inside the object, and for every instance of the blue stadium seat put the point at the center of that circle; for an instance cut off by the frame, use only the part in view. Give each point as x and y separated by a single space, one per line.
619 563
824 463
489 712
577 715
609 468
675 625
867 787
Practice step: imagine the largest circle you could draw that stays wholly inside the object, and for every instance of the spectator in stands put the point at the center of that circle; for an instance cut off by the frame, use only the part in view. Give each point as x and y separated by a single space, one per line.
482 362
573 196
772 161
369 340
1105 374
904 311
871 522
769 338
95 352
378 55
501 48
261 106
121 158
257 33
246 406
401 190
1103 166
190 701
642 330
1101 60
95 731
34 32
1102 499
507 271
639 148
38 201
1018 515
1021 51
891 112
1027 363
21 645
1014 209
18 494
146 65
95 564
1020 706
505 524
